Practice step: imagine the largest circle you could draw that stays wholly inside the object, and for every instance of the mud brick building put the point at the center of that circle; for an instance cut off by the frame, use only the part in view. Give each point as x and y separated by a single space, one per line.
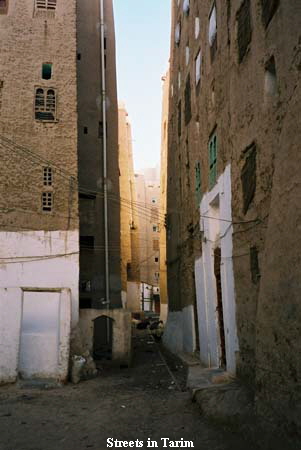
52 179
233 184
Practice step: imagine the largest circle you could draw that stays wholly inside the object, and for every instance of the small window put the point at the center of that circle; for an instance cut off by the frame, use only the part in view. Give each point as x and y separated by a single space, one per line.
179 118
198 67
47 176
156 259
45 104
3 6
46 4
46 71
244 30
248 177
212 160
198 184
197 27
178 33
212 33
187 54
186 7
86 242
85 130
270 79
1 89
47 201
188 114
179 80
79 56
157 276
154 200
155 245
155 228
269 7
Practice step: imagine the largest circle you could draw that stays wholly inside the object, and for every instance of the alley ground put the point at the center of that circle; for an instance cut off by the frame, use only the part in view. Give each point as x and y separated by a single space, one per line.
126 404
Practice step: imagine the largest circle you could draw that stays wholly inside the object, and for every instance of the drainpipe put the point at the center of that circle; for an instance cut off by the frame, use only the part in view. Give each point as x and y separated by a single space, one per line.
104 121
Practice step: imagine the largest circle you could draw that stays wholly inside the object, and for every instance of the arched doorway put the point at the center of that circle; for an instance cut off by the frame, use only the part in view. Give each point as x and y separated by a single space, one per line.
103 338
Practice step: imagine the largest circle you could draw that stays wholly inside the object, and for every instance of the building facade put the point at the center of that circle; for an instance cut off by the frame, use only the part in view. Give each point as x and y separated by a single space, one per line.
163 198
129 216
232 168
51 179
150 219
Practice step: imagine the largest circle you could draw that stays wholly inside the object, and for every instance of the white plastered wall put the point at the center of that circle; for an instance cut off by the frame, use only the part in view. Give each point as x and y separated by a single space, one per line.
32 261
216 205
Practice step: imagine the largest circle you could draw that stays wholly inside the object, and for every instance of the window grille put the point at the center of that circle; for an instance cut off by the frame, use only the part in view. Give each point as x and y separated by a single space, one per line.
47 201
47 176
212 160
46 4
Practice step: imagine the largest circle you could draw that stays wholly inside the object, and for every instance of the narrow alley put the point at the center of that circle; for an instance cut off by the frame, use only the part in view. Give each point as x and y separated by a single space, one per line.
125 404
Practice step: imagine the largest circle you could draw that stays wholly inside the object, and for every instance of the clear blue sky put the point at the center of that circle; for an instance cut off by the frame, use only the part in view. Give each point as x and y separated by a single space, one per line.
142 40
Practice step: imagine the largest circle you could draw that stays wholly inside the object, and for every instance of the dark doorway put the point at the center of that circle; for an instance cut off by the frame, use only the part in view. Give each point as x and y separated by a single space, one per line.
219 308
103 338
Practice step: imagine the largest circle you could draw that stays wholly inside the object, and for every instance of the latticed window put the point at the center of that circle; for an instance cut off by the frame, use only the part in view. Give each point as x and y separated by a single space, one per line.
46 4
212 160
47 201
47 176
45 104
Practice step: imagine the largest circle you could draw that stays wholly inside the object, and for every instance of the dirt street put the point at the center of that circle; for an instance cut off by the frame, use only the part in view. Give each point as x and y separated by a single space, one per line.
125 404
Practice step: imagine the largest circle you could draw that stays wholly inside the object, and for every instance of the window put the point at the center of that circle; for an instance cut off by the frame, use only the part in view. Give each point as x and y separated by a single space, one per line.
269 7
188 114
46 4
179 118
254 265
155 228
3 6
85 130
212 33
46 71
154 200
187 54
179 80
86 242
198 66
212 160
196 27
178 33
79 56
198 184
1 89
47 201
47 176
45 104
155 245
270 81
186 7
157 276
156 259
248 177
244 30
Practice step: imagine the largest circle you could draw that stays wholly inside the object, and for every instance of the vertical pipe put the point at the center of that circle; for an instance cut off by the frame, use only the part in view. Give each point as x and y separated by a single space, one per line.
105 181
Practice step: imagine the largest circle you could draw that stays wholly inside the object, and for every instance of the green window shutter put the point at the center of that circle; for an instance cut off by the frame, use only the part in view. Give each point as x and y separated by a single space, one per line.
212 160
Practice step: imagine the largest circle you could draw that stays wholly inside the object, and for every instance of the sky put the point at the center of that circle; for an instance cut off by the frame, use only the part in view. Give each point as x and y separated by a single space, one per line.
142 43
